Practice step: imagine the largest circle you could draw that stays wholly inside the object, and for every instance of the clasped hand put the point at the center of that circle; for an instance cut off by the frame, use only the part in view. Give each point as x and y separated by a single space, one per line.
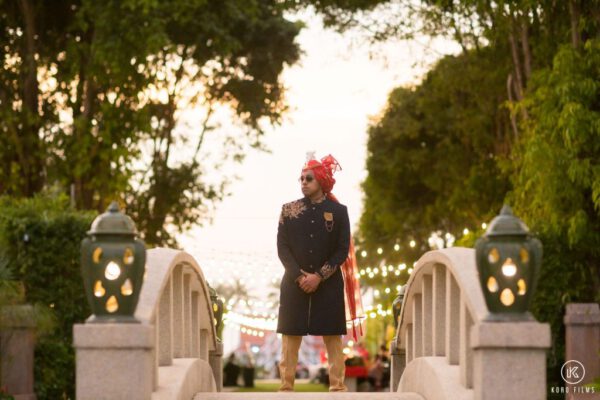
309 282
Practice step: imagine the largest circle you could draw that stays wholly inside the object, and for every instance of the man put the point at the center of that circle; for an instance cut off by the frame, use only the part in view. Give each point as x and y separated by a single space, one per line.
313 240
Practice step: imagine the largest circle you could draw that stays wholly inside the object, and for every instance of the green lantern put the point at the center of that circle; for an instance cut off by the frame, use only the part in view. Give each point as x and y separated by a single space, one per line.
217 307
113 262
508 260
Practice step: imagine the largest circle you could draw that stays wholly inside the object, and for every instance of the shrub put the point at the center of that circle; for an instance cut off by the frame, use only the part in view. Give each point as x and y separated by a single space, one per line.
40 238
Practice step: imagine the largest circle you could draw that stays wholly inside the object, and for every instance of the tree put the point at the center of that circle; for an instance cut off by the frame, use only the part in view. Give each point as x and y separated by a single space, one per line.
432 156
82 92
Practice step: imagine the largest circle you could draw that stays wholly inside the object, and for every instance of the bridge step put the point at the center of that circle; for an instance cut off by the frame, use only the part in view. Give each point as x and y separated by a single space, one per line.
308 396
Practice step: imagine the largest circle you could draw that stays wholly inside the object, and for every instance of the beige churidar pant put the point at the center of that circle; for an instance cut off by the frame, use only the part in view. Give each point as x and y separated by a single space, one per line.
289 359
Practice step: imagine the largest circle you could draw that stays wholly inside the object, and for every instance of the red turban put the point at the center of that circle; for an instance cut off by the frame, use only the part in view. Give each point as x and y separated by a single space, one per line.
324 171
355 316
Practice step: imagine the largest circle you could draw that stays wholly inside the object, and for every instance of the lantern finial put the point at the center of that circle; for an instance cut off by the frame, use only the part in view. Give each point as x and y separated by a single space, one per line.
506 210
113 207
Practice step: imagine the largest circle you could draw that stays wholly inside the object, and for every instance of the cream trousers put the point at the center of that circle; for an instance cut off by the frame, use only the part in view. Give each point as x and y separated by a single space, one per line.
289 359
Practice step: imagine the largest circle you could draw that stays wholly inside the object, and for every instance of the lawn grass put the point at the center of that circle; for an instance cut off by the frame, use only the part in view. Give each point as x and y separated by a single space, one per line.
272 387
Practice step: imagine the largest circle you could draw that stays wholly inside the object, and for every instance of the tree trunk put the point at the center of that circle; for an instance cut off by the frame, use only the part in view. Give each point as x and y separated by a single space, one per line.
526 49
518 81
513 117
575 14
31 157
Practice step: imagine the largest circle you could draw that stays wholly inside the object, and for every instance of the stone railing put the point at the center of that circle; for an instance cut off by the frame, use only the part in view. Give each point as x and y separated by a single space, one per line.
172 354
446 347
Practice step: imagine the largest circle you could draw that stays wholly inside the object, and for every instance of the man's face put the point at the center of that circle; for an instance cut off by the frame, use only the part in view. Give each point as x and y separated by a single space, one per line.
308 183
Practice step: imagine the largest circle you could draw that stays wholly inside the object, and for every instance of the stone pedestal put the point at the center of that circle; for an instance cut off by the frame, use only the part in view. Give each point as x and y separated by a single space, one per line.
215 359
114 361
509 360
582 334
17 342
398 356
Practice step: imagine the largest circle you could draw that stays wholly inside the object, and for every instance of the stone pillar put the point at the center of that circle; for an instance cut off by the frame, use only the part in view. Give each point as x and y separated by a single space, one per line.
582 334
216 364
17 342
509 360
114 361
398 356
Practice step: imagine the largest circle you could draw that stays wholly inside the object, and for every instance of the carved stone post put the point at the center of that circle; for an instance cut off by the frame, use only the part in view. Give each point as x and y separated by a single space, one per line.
17 341
398 356
582 324
216 364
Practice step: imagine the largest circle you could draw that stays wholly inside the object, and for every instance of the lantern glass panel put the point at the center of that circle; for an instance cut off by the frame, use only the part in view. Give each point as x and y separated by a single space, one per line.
493 256
492 284
524 254
97 255
112 271
127 288
509 268
112 305
99 289
522 287
128 257
507 297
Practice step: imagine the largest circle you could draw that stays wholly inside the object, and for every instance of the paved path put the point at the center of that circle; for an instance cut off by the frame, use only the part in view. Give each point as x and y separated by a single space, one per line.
307 396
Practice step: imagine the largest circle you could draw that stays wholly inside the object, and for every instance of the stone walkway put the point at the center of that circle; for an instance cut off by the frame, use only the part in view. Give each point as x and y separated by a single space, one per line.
307 396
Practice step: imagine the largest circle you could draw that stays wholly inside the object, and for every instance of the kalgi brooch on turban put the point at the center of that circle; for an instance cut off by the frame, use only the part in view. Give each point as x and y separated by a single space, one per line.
355 317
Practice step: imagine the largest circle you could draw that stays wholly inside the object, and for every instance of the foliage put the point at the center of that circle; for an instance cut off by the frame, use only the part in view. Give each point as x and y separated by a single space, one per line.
41 237
4 395
87 86
431 156
556 176
539 60
562 199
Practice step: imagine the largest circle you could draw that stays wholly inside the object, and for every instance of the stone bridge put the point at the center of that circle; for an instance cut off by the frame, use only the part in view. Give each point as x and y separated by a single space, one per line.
445 347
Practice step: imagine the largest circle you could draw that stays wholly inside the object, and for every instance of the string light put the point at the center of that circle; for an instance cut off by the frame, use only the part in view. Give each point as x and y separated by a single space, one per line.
379 250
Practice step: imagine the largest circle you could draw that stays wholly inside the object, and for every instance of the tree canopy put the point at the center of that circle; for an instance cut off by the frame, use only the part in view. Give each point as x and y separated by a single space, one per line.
86 86
511 119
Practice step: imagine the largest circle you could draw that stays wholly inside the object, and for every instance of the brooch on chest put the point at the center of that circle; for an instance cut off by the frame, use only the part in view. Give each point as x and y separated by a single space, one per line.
328 221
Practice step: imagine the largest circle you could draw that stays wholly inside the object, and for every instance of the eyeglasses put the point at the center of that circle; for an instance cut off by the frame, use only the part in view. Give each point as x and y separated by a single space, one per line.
307 178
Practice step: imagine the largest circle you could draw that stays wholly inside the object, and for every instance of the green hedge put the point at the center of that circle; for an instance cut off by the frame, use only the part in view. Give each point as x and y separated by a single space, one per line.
40 238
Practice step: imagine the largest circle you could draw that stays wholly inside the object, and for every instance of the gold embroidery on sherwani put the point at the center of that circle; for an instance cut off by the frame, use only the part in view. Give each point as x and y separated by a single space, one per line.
292 210
327 270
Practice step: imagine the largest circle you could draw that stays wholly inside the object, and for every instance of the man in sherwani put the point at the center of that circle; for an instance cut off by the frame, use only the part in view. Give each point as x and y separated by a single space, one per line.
313 240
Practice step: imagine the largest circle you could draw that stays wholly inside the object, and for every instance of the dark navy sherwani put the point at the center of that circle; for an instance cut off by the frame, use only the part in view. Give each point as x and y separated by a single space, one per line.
315 238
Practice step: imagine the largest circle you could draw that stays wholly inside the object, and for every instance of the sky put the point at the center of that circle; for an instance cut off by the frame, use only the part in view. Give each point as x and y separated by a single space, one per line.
339 87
